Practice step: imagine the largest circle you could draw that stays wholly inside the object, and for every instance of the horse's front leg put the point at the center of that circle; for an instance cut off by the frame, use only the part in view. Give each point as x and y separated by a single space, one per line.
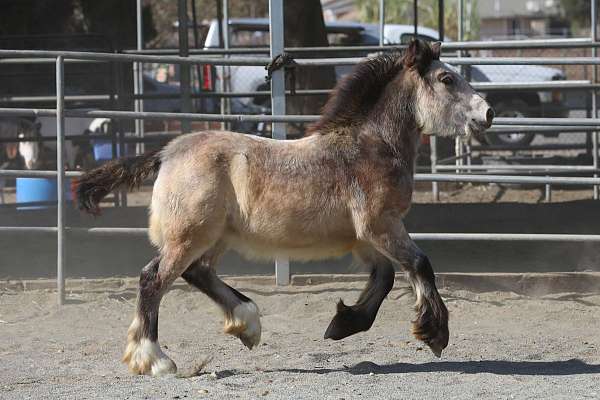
431 325
360 317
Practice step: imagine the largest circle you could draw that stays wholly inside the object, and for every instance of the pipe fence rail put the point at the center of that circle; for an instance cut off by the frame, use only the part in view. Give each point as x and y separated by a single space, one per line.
239 57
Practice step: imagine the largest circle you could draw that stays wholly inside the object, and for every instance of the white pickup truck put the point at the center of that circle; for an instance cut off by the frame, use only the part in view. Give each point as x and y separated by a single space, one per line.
254 32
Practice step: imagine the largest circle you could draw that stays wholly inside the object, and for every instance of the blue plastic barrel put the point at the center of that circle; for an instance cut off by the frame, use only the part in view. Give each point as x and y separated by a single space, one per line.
34 190
103 150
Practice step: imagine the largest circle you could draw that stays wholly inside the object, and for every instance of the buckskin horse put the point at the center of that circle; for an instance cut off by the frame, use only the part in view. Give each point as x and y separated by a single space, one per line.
344 187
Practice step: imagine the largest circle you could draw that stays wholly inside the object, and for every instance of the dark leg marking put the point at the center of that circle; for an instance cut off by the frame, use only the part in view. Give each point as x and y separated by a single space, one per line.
205 279
143 354
431 325
241 314
360 317
150 294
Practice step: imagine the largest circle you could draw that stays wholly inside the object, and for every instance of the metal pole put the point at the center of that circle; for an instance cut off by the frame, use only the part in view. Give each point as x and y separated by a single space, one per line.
461 18
60 179
221 70
433 156
433 140
457 141
415 16
441 30
282 265
138 80
594 37
197 81
225 70
184 69
381 21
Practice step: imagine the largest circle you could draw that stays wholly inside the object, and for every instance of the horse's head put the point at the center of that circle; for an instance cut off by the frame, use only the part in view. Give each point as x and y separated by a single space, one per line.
30 151
445 103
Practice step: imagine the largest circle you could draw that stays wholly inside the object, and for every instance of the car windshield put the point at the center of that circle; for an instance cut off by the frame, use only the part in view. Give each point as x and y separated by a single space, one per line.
255 36
244 37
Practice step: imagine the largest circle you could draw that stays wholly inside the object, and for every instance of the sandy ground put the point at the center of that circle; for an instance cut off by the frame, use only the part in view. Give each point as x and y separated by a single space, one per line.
502 346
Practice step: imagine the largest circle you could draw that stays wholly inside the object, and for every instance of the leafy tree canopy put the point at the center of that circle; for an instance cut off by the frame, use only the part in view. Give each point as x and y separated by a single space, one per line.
401 12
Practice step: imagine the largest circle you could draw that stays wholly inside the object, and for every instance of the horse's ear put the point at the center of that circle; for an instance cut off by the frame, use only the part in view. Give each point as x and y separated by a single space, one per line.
410 54
436 49
418 55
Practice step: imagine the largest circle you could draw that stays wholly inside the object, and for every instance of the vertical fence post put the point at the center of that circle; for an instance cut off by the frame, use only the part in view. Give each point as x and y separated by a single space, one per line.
184 69
225 69
282 265
441 16
594 37
433 157
433 140
416 16
458 145
60 178
381 21
138 81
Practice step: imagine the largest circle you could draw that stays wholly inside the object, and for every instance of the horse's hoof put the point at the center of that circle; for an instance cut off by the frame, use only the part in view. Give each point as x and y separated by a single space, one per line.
437 351
433 332
245 324
346 322
146 358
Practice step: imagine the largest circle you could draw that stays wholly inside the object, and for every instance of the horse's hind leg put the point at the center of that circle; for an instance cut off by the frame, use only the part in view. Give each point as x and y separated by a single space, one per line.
360 317
143 354
242 318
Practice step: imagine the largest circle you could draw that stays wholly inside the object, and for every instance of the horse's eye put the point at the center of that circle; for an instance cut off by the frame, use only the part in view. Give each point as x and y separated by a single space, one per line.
446 79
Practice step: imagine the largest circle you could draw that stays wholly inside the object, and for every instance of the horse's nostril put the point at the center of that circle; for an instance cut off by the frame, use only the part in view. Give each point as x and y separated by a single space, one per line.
489 116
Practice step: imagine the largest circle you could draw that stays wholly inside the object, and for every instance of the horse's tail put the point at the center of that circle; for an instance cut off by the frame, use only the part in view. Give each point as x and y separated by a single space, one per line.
94 185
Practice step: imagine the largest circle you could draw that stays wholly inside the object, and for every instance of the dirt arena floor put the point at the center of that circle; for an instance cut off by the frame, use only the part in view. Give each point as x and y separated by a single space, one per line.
502 346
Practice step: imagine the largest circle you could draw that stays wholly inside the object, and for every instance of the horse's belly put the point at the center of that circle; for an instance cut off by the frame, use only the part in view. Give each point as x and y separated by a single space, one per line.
257 248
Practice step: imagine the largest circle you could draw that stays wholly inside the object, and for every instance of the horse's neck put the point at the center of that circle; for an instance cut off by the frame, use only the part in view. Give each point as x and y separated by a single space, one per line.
397 132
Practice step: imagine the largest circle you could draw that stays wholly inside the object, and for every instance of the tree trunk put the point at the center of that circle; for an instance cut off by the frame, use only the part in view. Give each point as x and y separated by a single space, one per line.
305 27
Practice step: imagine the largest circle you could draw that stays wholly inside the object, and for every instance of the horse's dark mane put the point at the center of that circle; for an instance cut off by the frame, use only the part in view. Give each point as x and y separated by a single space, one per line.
356 94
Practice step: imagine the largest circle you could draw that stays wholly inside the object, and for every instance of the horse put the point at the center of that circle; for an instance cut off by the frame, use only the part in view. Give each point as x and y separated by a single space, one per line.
343 188
35 154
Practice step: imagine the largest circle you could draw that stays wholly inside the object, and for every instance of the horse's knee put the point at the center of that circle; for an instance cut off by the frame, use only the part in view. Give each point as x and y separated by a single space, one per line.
423 267
386 276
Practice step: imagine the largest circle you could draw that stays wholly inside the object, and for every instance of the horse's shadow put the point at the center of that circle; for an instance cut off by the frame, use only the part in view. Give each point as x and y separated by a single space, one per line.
568 367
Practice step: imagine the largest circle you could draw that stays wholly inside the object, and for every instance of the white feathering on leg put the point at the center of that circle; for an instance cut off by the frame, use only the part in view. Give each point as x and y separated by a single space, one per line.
245 323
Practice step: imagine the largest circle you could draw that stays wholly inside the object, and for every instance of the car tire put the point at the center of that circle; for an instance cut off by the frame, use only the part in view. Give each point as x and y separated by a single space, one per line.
510 109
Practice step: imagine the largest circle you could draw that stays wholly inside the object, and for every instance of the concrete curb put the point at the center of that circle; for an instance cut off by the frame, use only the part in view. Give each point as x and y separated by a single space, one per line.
532 284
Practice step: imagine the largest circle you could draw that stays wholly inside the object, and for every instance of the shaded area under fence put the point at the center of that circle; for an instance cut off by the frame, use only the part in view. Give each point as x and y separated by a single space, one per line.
33 255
